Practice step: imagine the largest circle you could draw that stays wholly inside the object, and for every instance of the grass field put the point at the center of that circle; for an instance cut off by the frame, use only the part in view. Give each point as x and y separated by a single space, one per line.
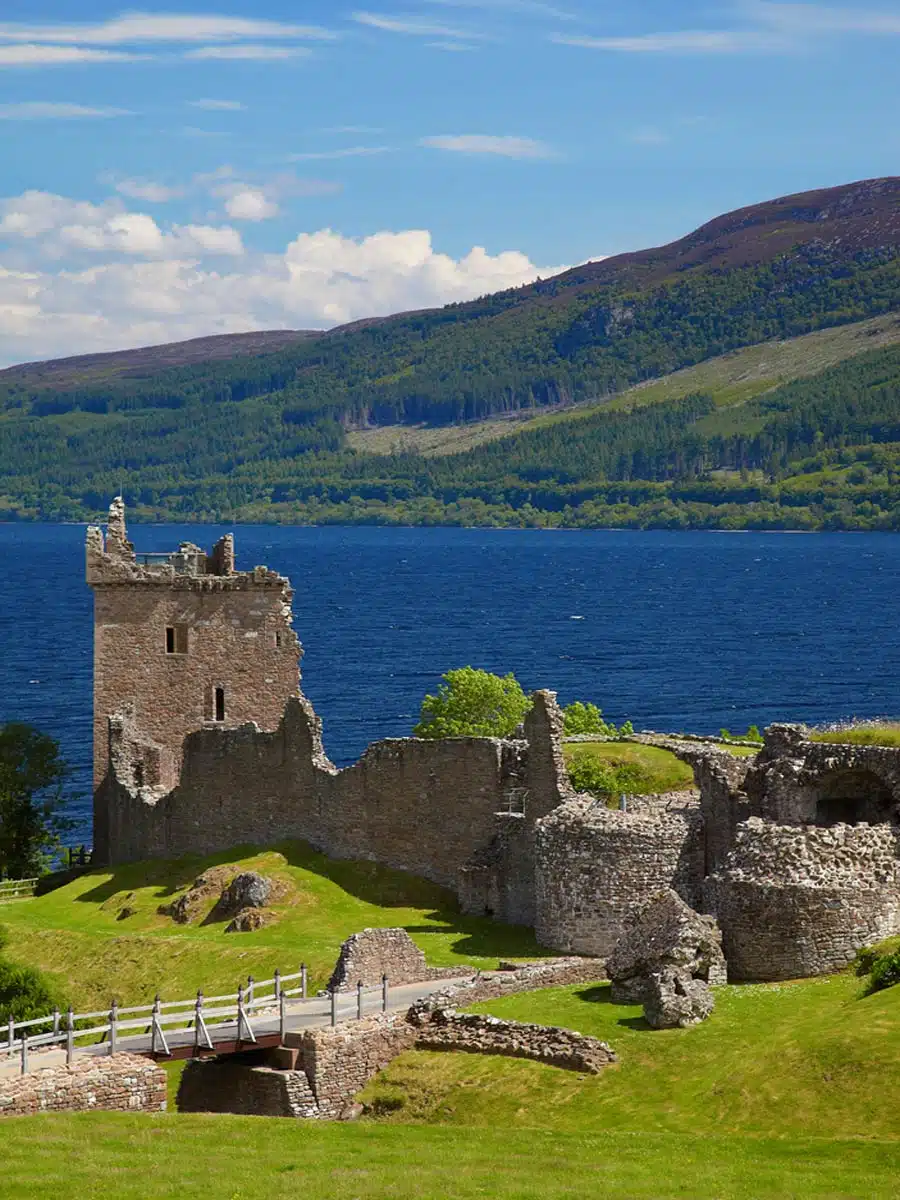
106 1156
75 935
809 1059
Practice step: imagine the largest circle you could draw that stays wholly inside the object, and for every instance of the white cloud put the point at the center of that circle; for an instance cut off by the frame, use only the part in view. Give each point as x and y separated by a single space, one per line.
27 54
453 47
813 19
345 152
409 25
219 105
146 189
250 204
698 41
143 284
250 52
59 227
149 27
528 7
38 110
480 143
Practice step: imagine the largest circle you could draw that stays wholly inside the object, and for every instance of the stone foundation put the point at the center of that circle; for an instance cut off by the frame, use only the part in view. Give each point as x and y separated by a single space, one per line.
368 956
121 1083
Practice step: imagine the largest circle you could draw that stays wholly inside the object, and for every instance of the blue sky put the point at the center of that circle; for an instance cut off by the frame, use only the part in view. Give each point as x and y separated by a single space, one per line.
169 173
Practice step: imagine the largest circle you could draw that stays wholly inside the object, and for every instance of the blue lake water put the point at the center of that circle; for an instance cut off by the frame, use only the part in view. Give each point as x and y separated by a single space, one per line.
675 631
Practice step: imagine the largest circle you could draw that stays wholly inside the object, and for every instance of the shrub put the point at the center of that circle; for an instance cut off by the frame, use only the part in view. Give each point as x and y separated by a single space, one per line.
583 717
24 992
604 779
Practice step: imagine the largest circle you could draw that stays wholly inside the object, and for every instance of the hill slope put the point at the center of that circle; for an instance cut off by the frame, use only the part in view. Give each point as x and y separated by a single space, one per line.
264 435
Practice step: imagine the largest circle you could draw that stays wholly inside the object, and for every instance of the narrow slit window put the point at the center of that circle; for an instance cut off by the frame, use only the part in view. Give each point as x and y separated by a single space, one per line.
219 703
277 639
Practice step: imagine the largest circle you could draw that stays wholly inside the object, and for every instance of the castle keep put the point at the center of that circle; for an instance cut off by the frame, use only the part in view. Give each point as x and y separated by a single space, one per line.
203 741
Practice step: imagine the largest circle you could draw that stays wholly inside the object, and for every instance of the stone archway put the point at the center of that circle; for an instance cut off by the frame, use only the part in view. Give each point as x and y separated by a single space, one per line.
854 796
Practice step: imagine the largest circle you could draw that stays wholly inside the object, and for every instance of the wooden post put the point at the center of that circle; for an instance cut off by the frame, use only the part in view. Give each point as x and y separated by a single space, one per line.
10 1035
55 1019
240 1009
277 984
303 981
359 1000
384 993
70 1036
154 1019
24 1053
113 1026
198 1017
249 989
334 1008
282 1020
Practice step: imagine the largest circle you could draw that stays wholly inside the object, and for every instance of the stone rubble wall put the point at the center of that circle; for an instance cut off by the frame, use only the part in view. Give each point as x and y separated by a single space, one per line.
120 1083
368 956
596 868
334 1064
794 901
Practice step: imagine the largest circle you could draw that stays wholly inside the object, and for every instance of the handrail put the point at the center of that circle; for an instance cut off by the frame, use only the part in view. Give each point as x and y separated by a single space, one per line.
205 1015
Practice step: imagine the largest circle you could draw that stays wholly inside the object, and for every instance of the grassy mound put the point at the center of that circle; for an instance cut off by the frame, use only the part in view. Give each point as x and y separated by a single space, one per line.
79 936
626 767
809 1059
98 1155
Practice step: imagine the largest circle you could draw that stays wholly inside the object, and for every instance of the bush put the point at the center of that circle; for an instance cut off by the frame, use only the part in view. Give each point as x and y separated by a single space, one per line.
885 972
604 780
473 703
24 992
581 718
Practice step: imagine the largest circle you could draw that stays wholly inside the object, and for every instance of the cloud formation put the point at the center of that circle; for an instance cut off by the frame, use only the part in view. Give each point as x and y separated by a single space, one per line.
249 51
27 54
40 110
410 25
482 143
696 41
147 189
219 105
141 283
131 28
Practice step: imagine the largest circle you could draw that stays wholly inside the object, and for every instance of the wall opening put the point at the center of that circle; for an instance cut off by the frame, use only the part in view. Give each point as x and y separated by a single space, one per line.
176 639
219 704
851 797
277 640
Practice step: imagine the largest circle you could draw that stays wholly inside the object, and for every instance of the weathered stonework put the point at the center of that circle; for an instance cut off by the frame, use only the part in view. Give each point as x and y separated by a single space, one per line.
496 819
596 868
374 954
120 1083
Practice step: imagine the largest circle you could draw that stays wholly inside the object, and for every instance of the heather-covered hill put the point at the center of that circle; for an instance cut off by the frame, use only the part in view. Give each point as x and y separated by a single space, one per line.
256 426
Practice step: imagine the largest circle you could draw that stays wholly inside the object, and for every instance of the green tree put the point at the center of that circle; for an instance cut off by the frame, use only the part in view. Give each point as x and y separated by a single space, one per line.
32 779
585 718
473 703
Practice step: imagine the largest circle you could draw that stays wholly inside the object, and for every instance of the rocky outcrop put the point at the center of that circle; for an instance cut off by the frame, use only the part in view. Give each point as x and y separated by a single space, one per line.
667 961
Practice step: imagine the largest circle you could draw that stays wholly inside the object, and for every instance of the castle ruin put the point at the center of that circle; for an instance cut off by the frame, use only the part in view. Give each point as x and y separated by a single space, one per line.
203 741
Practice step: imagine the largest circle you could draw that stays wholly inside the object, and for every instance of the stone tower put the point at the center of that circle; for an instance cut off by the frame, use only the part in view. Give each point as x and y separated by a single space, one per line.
182 641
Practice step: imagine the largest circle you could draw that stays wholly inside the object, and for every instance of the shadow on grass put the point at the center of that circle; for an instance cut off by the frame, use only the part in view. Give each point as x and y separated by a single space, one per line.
369 882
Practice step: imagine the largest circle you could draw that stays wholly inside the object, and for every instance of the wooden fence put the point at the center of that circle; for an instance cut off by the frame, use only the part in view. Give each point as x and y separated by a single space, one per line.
16 889
183 1028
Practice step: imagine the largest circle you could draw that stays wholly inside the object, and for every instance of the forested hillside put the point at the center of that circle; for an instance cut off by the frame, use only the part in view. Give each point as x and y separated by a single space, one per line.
261 433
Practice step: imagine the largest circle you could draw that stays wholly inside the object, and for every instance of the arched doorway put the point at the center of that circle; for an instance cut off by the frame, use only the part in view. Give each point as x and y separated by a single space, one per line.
854 796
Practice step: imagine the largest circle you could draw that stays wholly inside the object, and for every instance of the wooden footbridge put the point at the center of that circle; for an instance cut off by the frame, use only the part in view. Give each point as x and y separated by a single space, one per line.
257 1017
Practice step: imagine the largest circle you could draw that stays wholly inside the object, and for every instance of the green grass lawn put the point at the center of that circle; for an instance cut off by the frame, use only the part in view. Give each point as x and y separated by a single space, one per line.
863 735
107 1156
809 1059
74 933
648 769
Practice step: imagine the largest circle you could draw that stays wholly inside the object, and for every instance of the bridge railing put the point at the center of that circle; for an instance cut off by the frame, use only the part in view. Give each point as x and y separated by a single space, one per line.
198 1024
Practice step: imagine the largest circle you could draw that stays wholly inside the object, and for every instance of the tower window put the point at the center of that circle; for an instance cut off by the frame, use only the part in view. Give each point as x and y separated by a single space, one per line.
219 703
176 639
277 639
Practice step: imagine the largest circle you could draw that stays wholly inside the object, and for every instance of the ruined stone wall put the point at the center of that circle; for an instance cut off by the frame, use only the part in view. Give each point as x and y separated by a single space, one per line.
374 954
498 881
595 867
422 806
121 1083
794 901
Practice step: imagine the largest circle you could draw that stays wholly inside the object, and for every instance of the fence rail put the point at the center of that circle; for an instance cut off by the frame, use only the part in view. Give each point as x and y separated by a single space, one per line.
154 1030
17 889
